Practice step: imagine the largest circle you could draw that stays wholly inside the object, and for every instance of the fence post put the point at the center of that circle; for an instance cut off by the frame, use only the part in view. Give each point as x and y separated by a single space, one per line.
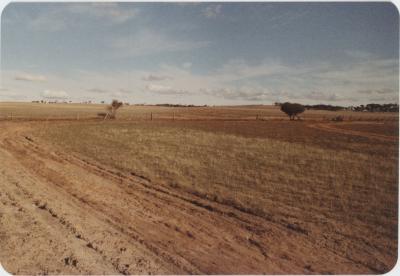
151 116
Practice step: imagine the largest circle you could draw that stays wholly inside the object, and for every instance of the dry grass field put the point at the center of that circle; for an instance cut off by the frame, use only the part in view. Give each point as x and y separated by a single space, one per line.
204 190
38 111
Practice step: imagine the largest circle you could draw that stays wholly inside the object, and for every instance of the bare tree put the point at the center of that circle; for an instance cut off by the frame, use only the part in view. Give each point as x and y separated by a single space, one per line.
112 110
113 107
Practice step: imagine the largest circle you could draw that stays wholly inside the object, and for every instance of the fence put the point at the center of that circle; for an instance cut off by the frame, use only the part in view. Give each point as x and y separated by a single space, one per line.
181 116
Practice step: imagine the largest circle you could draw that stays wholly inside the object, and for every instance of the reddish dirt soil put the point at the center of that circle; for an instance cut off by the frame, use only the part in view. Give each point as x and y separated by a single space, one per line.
366 130
349 136
65 214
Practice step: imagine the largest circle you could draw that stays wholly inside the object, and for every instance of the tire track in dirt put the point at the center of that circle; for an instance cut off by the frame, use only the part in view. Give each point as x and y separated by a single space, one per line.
39 228
331 127
219 208
69 227
113 218
118 215
143 263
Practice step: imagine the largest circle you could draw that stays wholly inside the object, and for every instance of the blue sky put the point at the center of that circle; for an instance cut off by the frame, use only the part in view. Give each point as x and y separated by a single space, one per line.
201 53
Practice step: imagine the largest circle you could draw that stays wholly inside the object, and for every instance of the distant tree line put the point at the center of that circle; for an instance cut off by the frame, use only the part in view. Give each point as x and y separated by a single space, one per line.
325 107
52 102
390 107
180 105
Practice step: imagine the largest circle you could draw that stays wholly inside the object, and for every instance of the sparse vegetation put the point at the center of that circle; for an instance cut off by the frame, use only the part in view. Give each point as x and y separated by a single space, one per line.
317 181
338 119
271 178
43 111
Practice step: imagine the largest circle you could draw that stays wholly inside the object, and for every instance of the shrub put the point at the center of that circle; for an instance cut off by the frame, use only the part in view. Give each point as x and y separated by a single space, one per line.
338 118
292 109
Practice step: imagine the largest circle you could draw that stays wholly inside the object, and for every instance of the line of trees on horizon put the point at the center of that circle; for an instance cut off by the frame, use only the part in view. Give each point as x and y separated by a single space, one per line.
372 107
179 105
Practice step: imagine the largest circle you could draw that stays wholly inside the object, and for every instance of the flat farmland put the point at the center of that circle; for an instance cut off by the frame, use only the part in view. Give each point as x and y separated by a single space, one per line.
199 190
74 111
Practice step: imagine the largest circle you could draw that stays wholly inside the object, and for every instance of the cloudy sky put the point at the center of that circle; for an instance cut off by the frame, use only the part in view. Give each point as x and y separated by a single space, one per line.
201 53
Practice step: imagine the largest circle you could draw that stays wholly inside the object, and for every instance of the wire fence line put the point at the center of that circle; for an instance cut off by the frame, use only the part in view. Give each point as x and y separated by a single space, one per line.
150 116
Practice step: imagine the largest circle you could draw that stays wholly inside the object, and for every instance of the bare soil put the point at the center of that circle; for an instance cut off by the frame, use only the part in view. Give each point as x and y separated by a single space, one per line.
62 213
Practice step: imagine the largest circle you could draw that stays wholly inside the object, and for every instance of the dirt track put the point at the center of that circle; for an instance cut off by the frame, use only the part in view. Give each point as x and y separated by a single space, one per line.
332 127
62 213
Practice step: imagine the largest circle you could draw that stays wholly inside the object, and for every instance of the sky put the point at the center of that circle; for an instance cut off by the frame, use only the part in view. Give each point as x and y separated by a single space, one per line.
201 53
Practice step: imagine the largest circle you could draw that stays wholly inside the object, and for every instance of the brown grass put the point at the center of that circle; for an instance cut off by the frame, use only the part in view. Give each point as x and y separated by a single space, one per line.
338 189
389 129
29 111
292 179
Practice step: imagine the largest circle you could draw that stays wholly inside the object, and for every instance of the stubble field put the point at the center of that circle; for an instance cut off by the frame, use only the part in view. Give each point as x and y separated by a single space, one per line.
198 190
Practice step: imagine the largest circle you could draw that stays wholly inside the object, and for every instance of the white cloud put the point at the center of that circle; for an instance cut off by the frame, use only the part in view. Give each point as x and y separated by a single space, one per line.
377 91
30 77
157 88
370 74
280 20
68 15
341 83
358 54
50 22
161 89
237 69
97 90
152 77
116 94
323 96
212 11
55 94
187 65
148 42
236 82
271 80
385 91
125 91
111 12
248 93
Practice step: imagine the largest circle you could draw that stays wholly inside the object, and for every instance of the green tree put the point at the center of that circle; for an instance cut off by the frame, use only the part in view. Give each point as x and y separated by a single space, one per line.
292 109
